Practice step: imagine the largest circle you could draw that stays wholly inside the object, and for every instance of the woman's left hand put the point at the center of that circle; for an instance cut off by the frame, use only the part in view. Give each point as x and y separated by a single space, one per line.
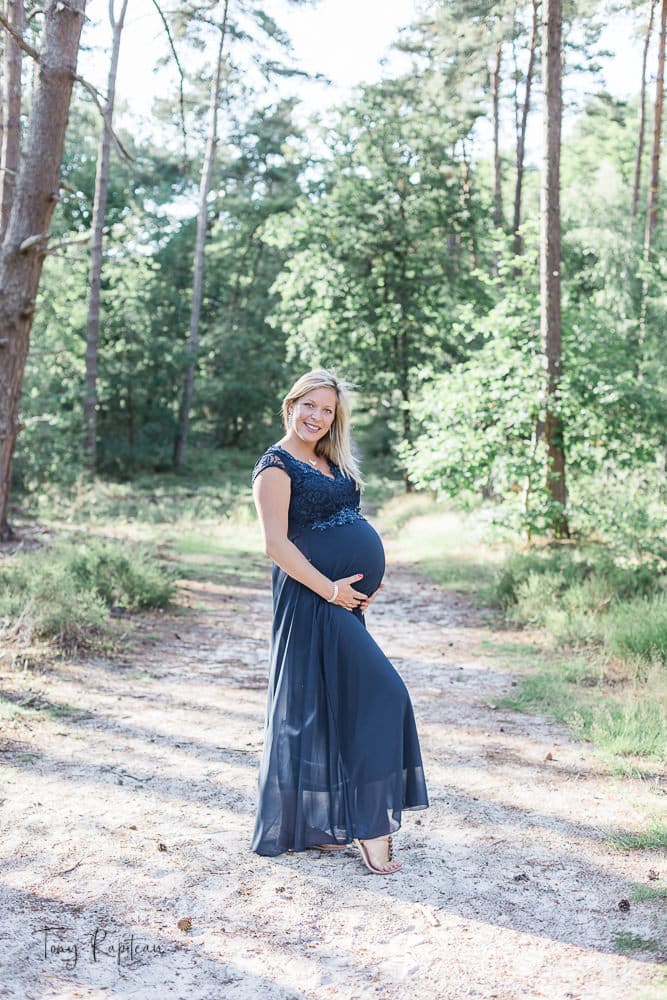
363 605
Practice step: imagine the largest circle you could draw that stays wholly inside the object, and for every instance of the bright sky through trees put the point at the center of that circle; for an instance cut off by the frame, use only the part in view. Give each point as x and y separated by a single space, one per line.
346 41
343 40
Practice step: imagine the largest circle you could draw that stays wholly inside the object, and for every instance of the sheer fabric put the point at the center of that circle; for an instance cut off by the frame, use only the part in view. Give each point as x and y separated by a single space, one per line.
341 755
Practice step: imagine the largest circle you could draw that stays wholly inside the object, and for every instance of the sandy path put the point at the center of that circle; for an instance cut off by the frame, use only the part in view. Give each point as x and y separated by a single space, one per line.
127 803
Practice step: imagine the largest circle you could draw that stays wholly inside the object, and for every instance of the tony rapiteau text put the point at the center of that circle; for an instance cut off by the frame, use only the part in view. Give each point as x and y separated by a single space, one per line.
100 945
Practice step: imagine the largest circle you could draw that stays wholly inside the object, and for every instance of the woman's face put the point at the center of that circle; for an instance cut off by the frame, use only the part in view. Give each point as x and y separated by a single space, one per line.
313 413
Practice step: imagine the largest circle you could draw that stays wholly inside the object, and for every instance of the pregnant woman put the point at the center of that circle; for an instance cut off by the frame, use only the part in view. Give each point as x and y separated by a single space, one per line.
341 755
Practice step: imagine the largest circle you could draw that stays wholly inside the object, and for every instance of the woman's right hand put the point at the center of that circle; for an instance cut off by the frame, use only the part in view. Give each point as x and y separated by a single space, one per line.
347 596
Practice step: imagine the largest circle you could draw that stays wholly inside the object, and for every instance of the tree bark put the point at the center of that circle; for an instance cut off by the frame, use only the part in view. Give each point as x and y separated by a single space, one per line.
497 178
208 168
10 150
521 135
35 197
95 268
654 182
550 262
2 100
642 116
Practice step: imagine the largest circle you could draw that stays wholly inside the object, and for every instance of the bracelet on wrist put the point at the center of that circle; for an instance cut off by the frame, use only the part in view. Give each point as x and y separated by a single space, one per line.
334 595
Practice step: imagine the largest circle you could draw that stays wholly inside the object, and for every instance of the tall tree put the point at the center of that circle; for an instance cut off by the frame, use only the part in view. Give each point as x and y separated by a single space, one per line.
550 265
642 115
27 234
654 180
10 147
495 98
95 270
208 168
522 127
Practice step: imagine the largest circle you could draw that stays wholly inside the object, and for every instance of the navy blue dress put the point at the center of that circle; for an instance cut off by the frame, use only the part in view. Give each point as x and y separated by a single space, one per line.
341 755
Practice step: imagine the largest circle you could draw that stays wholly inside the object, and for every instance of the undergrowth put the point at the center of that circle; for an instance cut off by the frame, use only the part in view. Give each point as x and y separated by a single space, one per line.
66 592
609 618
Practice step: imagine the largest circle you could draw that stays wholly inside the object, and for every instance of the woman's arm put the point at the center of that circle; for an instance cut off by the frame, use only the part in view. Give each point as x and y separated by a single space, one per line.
271 493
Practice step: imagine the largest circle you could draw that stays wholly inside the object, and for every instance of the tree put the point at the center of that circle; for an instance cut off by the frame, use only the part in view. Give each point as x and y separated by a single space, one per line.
374 279
27 234
206 181
654 180
10 144
522 126
552 432
642 115
254 32
95 269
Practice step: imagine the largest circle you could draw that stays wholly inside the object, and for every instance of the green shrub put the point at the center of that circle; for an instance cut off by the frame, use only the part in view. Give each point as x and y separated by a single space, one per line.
638 628
117 577
584 597
64 593
585 579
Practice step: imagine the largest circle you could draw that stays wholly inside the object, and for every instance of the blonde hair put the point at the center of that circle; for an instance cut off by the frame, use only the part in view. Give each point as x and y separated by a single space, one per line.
336 445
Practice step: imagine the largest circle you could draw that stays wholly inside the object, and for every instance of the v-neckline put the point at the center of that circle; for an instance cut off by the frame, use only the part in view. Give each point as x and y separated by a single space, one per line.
307 464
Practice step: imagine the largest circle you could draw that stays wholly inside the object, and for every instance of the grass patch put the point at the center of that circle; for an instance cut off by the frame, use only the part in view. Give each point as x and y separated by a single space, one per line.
225 549
612 618
635 942
583 597
64 593
213 486
450 546
624 719
642 893
654 836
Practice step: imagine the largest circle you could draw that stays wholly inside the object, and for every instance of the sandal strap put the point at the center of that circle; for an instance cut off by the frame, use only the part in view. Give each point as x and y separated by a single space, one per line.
391 847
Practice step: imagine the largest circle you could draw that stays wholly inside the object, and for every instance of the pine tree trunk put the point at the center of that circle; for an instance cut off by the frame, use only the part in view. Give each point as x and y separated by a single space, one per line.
642 116
521 136
2 106
208 168
497 177
95 268
550 264
35 196
10 150
654 181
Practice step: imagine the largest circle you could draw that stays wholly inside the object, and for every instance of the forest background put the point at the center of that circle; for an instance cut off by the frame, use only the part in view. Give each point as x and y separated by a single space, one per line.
201 258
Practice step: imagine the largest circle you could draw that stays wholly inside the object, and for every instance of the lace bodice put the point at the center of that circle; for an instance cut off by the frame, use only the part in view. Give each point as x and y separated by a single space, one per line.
317 501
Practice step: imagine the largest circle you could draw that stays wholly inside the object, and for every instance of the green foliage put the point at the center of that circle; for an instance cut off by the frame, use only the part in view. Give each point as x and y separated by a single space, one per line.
379 251
641 892
583 596
476 422
65 593
655 836
630 719
129 579
638 628
587 579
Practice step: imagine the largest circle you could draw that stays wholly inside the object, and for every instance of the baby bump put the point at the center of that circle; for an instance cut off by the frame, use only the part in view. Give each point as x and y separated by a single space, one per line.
344 549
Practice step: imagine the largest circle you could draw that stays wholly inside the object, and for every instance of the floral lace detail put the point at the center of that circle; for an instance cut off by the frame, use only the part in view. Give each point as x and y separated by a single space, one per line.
266 461
344 516
317 500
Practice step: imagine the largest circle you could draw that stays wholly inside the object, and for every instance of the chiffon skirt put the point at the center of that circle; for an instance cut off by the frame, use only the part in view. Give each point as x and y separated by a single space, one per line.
341 755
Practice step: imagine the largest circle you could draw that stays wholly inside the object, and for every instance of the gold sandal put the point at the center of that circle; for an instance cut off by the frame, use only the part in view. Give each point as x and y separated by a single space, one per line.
363 850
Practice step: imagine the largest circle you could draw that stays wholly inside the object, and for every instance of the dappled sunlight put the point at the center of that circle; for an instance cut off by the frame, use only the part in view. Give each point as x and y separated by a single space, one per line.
135 782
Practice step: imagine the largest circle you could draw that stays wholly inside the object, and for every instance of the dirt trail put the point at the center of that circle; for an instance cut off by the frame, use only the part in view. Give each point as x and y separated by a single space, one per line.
128 792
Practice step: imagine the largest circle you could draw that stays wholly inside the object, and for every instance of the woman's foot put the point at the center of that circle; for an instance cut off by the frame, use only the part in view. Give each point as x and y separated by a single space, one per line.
378 855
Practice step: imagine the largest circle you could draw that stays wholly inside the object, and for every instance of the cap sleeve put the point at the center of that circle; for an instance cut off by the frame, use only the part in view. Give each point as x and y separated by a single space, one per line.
270 459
